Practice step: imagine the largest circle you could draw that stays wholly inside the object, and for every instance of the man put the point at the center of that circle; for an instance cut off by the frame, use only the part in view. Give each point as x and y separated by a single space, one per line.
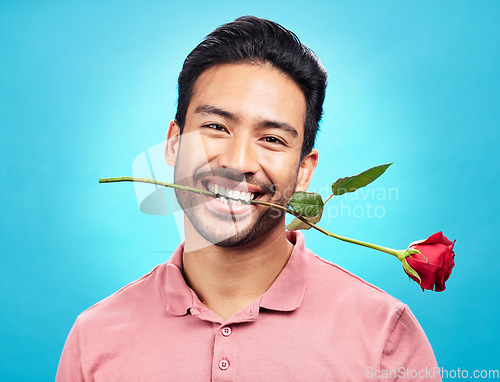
242 299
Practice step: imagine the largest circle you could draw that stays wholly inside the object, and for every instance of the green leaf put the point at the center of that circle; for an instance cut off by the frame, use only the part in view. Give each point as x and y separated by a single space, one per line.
410 271
352 183
306 203
296 223
411 251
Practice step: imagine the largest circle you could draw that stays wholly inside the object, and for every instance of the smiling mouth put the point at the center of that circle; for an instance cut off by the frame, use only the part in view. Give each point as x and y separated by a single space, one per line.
229 196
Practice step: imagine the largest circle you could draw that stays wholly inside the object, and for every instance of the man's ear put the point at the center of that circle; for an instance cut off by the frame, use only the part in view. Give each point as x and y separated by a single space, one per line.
172 144
306 169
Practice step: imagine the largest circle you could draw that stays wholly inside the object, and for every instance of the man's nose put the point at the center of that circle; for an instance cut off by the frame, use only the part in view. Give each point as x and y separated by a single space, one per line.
240 154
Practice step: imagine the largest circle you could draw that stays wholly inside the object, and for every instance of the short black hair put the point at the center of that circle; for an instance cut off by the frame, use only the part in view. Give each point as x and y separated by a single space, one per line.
254 40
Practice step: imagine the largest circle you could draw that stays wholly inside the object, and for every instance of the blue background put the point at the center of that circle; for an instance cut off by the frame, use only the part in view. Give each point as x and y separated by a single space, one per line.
86 86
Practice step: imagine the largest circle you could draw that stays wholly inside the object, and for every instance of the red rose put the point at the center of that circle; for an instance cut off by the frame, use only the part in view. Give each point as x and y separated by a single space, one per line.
439 252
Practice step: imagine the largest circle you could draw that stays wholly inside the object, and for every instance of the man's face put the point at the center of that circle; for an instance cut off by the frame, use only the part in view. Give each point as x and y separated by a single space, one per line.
242 136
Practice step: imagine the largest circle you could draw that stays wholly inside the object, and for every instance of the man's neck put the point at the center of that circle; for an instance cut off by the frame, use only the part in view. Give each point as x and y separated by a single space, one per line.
226 279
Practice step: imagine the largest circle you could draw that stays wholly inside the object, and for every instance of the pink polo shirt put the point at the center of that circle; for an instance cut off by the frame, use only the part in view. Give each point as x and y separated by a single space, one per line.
317 322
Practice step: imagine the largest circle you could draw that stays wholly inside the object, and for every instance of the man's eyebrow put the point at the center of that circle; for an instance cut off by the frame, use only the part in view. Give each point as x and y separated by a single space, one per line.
279 125
210 109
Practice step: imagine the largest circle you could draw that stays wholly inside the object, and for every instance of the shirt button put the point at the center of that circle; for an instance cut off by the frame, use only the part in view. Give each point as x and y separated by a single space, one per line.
226 331
223 364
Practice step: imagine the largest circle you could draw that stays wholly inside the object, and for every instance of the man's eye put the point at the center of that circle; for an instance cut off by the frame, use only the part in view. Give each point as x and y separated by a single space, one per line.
274 140
215 126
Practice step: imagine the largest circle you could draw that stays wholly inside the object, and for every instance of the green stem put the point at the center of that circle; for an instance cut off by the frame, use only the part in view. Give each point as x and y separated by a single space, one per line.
394 252
152 181
398 254
327 199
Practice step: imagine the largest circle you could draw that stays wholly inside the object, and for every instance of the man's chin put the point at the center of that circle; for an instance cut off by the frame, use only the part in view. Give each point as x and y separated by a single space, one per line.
233 242
230 237
235 234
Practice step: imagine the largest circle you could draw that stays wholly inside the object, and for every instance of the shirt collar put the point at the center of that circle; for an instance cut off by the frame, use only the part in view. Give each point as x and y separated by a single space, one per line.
285 294
288 290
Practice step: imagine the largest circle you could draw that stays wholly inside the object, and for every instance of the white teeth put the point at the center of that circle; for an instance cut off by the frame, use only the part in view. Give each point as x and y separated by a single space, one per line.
228 196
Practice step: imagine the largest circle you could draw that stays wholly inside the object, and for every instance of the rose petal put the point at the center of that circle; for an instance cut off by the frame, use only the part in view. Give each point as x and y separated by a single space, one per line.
438 250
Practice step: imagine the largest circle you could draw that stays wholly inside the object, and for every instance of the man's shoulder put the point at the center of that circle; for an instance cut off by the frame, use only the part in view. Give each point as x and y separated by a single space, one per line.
340 284
132 299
